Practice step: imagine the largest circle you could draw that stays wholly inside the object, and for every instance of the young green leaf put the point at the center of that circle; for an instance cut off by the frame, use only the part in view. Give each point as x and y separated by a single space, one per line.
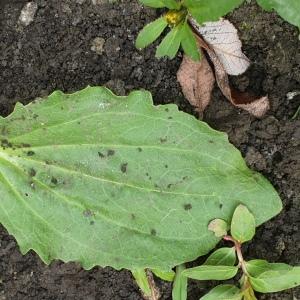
171 43
141 279
256 267
288 9
208 10
179 291
224 292
272 277
77 172
189 44
242 224
150 33
219 227
206 272
222 257
164 275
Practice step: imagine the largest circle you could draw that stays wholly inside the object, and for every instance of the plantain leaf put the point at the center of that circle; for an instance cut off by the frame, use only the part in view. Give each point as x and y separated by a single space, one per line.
206 272
222 257
288 9
151 32
223 292
115 181
208 10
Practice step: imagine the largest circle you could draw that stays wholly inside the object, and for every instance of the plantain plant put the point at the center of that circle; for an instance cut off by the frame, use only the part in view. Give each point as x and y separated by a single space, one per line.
116 181
180 12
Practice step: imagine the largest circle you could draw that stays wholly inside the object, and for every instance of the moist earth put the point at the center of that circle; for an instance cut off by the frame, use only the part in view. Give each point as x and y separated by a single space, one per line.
74 43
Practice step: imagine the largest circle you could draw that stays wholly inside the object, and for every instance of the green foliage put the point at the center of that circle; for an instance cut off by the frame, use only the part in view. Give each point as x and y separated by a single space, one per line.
257 275
242 224
207 272
224 292
272 277
222 257
287 9
141 279
116 181
202 11
179 291
151 32
164 275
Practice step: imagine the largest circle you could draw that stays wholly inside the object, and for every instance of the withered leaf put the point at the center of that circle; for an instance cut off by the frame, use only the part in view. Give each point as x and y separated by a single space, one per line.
196 77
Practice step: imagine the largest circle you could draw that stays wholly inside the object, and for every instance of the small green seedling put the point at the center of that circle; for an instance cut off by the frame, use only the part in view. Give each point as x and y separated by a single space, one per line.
225 263
179 13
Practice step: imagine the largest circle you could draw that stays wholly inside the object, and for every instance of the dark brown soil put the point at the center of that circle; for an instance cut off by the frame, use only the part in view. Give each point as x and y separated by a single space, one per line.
54 52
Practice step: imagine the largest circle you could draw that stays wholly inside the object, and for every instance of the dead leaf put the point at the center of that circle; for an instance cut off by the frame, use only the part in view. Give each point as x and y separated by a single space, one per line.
222 37
196 78
197 81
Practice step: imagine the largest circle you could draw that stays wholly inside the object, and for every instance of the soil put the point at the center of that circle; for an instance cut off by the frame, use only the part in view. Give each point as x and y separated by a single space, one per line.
58 50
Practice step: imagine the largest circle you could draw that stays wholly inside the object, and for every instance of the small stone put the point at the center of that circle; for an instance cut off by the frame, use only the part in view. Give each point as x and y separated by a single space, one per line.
98 45
27 13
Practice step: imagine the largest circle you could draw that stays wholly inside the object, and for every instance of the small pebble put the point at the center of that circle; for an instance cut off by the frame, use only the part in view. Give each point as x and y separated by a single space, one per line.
27 13
98 45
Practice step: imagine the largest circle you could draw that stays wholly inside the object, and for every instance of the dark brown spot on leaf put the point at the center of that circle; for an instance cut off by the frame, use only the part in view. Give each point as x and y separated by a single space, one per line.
163 140
101 155
32 172
110 152
187 206
153 232
88 213
124 167
54 180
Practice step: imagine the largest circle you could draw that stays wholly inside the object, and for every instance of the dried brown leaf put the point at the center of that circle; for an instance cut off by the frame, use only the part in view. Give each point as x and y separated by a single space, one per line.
222 37
197 78
197 81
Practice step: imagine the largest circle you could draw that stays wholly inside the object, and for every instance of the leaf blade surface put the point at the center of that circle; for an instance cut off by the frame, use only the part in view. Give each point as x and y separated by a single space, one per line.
115 181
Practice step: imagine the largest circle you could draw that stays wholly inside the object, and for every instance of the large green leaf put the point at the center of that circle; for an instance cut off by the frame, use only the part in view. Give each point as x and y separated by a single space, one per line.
287 9
107 180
